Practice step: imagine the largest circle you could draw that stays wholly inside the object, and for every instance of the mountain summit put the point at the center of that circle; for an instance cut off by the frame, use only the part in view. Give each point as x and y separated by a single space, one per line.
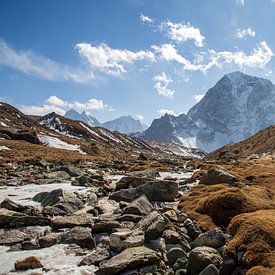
237 107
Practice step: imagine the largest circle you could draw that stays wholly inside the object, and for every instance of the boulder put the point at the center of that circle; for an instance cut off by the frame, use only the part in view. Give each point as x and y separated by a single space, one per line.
79 235
49 239
140 206
20 134
28 263
11 205
128 259
201 257
216 176
96 257
130 181
57 176
153 225
124 239
71 170
210 270
30 244
213 238
84 220
105 226
149 173
174 254
11 237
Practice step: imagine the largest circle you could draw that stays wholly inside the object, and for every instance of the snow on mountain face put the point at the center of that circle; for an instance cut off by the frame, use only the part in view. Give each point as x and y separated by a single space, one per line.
84 117
124 124
237 107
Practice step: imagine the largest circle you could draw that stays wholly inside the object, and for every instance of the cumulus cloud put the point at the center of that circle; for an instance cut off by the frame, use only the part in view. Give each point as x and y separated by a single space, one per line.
33 64
258 58
244 33
161 85
108 60
181 32
240 2
59 106
198 97
145 18
166 111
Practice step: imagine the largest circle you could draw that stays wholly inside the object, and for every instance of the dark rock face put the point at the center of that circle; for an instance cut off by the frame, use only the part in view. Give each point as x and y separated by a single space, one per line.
84 220
20 134
12 237
216 176
96 257
140 206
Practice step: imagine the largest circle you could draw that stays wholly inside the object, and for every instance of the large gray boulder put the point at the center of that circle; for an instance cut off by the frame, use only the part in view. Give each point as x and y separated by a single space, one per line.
128 259
201 257
217 175
140 206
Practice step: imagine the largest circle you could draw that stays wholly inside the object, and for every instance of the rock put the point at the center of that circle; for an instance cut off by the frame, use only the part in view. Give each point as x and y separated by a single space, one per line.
201 257
160 190
50 240
149 173
227 267
89 181
20 134
30 245
171 237
154 191
153 225
124 239
28 263
181 272
128 259
129 218
96 257
192 228
12 237
140 206
71 170
216 176
142 156
58 176
84 220
79 235
105 226
213 238
181 264
174 254
49 198
11 205
171 215
129 181
210 270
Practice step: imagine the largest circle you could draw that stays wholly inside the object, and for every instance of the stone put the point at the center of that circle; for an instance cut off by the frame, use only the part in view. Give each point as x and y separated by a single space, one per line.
57 176
171 215
129 218
124 239
154 190
216 176
153 225
49 198
96 257
71 170
20 134
49 239
130 181
11 205
30 245
227 267
201 257
213 238
105 226
192 228
11 237
79 235
59 222
128 259
181 272
140 206
174 254
145 173
28 263
210 270
180 264
171 236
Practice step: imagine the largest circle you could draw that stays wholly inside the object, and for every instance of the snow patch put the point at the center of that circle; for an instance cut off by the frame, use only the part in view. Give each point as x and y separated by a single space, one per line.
54 142
4 148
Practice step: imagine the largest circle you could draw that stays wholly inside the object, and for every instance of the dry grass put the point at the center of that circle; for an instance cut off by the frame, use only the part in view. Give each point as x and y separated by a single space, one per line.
254 233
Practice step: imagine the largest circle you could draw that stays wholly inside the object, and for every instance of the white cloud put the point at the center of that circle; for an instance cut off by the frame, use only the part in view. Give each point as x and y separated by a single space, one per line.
108 60
139 117
258 58
181 32
198 97
240 2
161 85
33 64
244 33
59 106
145 18
166 111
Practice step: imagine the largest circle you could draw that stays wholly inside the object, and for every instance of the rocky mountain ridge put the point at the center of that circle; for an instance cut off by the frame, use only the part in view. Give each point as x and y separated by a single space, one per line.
237 107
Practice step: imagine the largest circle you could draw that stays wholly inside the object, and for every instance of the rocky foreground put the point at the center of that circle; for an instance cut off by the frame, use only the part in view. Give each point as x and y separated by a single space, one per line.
90 217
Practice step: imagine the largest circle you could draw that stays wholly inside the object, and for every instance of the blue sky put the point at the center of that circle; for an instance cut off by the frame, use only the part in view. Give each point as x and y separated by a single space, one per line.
136 57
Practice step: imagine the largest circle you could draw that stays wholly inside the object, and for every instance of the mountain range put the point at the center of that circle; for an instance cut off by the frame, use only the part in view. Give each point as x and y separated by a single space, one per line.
123 124
237 107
